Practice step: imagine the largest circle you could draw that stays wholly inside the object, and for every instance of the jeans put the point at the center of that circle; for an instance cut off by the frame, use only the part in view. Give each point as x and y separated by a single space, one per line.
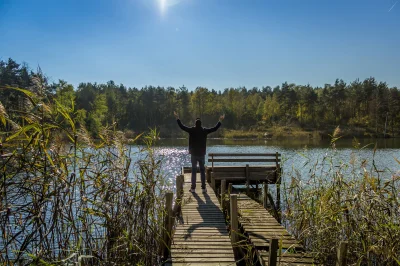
201 160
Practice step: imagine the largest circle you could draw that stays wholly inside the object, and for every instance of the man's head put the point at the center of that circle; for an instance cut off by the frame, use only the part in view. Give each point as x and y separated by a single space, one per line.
198 122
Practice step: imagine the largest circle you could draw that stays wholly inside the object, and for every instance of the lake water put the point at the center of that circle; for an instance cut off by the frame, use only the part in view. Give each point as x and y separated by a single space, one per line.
298 156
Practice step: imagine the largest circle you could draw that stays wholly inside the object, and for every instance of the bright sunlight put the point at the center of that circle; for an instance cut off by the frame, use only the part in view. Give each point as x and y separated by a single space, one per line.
163 6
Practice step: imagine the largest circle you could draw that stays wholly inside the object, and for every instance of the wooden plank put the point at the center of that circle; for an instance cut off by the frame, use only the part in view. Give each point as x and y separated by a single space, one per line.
253 219
199 206
243 174
202 251
272 227
287 254
260 174
293 260
196 220
202 217
241 178
256 220
287 258
268 236
200 227
203 255
199 233
259 239
252 223
200 263
203 259
260 227
194 246
5 155
201 236
213 239
244 154
207 230
255 211
262 230
206 222
233 168
263 244
202 244
243 160
204 212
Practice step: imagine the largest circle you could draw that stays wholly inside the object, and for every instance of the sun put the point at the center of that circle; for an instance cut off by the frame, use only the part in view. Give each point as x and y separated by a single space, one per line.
163 6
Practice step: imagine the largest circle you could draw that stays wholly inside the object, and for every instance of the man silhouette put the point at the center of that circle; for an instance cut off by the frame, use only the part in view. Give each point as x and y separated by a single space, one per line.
197 148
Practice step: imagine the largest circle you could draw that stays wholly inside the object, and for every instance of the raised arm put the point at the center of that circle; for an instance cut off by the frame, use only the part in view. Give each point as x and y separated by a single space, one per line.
182 126
213 129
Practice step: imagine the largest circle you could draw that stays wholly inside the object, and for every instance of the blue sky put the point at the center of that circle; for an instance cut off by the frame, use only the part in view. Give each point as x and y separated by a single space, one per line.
211 43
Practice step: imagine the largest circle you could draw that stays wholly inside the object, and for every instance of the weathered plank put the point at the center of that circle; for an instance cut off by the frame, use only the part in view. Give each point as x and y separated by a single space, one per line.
200 236
287 258
242 160
229 168
203 259
200 263
260 227
202 251
244 154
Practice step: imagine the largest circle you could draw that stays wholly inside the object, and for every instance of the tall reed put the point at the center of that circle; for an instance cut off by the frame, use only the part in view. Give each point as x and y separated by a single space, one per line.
66 198
346 201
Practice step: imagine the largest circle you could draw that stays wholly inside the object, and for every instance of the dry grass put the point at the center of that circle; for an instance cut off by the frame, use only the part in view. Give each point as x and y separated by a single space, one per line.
347 202
65 203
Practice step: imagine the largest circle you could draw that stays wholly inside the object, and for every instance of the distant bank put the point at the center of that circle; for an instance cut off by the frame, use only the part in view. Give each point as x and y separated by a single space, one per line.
282 133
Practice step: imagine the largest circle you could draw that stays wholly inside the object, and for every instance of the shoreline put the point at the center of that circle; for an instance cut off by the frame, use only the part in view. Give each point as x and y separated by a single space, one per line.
289 133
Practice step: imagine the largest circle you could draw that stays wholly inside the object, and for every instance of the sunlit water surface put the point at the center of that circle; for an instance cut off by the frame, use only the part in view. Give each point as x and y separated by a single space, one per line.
298 157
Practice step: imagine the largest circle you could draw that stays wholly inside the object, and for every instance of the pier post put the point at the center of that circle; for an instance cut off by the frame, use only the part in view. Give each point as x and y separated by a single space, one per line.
234 223
168 223
342 254
179 186
229 189
223 189
273 252
179 194
247 180
213 183
278 186
265 196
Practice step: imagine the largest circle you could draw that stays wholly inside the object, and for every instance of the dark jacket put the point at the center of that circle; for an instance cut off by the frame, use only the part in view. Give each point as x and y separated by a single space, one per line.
198 137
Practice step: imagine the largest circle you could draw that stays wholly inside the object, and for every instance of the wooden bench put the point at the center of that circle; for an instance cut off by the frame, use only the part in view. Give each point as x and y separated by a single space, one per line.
241 174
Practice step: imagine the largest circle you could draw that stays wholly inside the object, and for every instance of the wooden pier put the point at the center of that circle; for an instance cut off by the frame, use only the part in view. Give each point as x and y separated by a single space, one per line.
259 227
201 234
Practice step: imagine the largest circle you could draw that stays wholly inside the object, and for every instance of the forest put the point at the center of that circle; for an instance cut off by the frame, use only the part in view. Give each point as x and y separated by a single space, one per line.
363 107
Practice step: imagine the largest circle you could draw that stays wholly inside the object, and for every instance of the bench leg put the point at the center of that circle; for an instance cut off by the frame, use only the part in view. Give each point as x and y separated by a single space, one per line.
213 183
208 175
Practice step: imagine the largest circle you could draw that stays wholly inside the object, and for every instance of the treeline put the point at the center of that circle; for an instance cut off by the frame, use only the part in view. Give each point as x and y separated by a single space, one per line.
368 104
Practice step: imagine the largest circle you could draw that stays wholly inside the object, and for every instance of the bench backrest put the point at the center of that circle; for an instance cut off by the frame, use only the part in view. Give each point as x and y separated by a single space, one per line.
233 157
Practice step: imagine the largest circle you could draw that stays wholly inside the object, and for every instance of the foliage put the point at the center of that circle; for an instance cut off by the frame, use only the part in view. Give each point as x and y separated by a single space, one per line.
368 104
68 199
